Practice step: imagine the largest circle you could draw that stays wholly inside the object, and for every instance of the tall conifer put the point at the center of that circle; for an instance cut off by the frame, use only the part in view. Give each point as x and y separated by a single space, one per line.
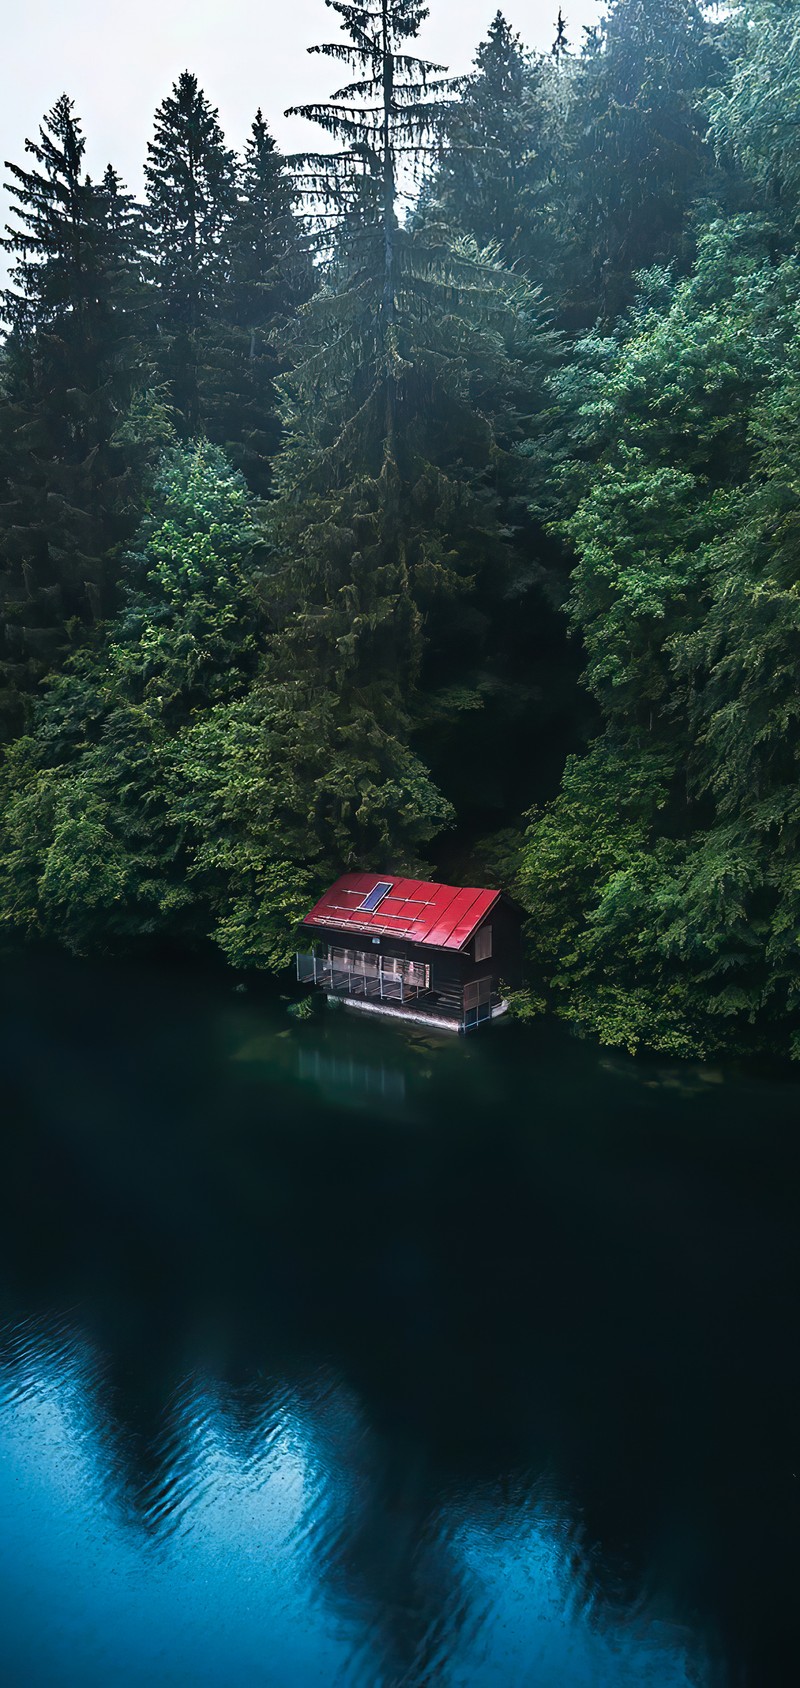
634 153
73 360
561 43
413 364
270 273
191 182
490 177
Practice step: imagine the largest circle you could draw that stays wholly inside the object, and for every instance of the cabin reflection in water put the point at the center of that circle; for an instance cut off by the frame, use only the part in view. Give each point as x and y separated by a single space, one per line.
358 1079
438 954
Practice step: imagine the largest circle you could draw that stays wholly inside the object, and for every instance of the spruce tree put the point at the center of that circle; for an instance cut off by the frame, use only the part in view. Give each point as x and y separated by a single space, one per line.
561 44
413 365
73 360
481 182
191 187
750 112
634 154
270 274
91 851
496 175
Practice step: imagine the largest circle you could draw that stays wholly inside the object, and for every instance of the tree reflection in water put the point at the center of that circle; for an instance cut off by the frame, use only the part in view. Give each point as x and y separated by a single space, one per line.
492 1372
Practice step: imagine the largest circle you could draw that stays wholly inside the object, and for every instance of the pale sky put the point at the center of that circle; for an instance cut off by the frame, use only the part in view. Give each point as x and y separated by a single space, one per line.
117 61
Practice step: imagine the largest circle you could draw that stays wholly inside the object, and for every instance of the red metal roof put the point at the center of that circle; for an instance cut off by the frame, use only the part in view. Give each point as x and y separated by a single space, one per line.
444 916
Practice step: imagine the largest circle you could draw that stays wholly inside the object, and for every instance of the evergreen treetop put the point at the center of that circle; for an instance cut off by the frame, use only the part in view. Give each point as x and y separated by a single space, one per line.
191 188
561 44
190 176
52 207
492 147
74 359
384 120
246 340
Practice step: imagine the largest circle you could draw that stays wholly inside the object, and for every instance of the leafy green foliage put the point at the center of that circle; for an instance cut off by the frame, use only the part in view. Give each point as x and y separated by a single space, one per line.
668 914
176 783
490 133
91 851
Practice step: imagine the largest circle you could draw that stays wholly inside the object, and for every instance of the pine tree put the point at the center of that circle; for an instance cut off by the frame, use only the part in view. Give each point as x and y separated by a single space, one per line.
497 172
482 177
634 154
91 850
73 361
191 182
750 111
413 365
269 276
561 45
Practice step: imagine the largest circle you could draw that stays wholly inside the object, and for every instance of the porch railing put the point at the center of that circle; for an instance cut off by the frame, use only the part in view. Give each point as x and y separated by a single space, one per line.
355 980
371 981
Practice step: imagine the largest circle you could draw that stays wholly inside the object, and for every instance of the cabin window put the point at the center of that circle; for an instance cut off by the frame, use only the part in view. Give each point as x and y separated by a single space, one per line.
344 959
367 963
413 972
483 944
477 1002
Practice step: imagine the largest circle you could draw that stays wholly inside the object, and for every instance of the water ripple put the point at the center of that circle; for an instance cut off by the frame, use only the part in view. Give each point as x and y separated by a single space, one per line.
36 1353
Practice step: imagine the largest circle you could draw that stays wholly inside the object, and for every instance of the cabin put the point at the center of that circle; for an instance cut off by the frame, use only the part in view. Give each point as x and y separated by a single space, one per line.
438 954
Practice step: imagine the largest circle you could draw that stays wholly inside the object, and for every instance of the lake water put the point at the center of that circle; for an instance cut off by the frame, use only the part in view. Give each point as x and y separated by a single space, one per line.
332 1353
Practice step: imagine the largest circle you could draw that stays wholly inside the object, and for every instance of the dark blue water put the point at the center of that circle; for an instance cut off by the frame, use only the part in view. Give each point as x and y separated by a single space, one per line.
334 1354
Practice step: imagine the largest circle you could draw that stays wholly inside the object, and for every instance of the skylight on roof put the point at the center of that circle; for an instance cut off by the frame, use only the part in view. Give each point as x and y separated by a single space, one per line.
375 896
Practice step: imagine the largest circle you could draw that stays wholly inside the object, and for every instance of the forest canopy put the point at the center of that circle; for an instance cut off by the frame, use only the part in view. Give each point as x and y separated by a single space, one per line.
429 502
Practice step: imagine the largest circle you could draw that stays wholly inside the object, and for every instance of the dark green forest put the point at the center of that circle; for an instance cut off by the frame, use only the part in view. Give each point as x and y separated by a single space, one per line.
427 502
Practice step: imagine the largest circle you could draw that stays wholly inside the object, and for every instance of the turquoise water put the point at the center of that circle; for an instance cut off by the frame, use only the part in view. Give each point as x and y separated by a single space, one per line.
333 1353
